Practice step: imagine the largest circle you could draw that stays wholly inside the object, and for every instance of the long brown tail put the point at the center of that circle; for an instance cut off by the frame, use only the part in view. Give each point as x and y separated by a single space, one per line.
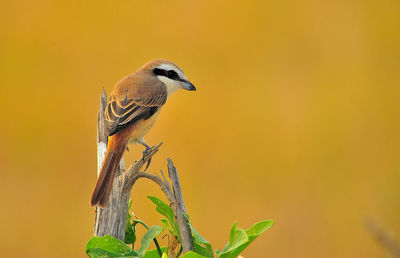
115 150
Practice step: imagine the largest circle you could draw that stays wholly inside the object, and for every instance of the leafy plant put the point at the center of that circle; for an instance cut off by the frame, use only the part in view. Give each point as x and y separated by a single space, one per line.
239 239
109 246
169 223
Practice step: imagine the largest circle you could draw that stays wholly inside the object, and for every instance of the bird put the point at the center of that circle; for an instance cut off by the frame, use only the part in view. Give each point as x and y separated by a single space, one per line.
133 108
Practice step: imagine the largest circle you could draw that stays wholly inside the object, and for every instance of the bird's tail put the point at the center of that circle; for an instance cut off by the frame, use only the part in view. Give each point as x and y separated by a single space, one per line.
102 191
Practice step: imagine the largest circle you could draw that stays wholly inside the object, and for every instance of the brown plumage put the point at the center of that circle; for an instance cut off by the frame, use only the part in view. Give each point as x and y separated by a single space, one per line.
115 149
133 108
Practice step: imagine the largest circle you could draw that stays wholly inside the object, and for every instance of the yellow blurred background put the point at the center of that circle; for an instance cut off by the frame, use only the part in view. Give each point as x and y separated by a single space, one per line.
296 119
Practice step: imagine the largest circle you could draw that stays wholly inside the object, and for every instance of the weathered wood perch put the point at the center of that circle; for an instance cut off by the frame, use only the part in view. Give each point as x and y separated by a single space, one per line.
112 219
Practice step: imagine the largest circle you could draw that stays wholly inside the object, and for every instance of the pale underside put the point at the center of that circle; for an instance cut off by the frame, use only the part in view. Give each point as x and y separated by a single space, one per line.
142 127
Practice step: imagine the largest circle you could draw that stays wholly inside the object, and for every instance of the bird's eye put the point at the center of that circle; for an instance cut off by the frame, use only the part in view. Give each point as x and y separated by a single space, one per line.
172 74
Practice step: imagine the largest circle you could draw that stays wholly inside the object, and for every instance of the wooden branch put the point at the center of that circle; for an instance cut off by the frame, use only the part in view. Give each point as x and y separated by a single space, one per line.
183 223
131 173
102 138
156 179
112 219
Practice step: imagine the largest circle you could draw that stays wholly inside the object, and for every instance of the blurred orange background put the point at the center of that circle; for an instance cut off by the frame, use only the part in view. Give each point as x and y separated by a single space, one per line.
296 119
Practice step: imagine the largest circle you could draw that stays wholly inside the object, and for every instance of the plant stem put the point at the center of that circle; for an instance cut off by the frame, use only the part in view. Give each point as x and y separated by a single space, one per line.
180 251
155 240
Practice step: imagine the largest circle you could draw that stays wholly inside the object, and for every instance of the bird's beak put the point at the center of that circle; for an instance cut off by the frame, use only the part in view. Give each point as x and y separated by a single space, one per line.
187 85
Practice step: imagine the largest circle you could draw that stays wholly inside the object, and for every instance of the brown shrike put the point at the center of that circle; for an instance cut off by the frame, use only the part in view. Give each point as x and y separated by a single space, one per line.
132 110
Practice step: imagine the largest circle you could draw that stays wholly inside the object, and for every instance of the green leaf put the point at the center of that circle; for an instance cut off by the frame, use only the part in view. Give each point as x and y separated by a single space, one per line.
192 255
154 253
108 246
197 237
163 208
200 244
167 211
100 253
129 206
166 224
239 239
148 237
130 228
205 251
259 228
130 233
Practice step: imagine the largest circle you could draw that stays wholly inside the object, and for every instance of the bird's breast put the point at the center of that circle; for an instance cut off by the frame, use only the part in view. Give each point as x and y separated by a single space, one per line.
142 127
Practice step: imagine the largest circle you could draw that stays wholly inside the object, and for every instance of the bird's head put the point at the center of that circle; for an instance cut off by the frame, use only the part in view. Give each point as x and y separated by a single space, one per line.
170 74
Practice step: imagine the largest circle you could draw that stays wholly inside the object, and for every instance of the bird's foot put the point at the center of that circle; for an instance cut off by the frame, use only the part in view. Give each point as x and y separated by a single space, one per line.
145 153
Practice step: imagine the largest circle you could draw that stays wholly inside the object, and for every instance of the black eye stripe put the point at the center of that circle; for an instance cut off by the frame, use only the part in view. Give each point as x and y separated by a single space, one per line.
158 71
170 73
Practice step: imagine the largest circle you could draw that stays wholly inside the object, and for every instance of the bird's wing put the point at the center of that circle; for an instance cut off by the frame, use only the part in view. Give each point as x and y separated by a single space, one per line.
121 113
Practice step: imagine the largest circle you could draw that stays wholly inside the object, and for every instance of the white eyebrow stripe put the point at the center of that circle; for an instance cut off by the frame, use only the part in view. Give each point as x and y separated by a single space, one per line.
172 67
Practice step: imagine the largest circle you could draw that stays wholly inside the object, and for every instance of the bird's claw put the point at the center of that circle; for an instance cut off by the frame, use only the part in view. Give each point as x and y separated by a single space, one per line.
145 153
